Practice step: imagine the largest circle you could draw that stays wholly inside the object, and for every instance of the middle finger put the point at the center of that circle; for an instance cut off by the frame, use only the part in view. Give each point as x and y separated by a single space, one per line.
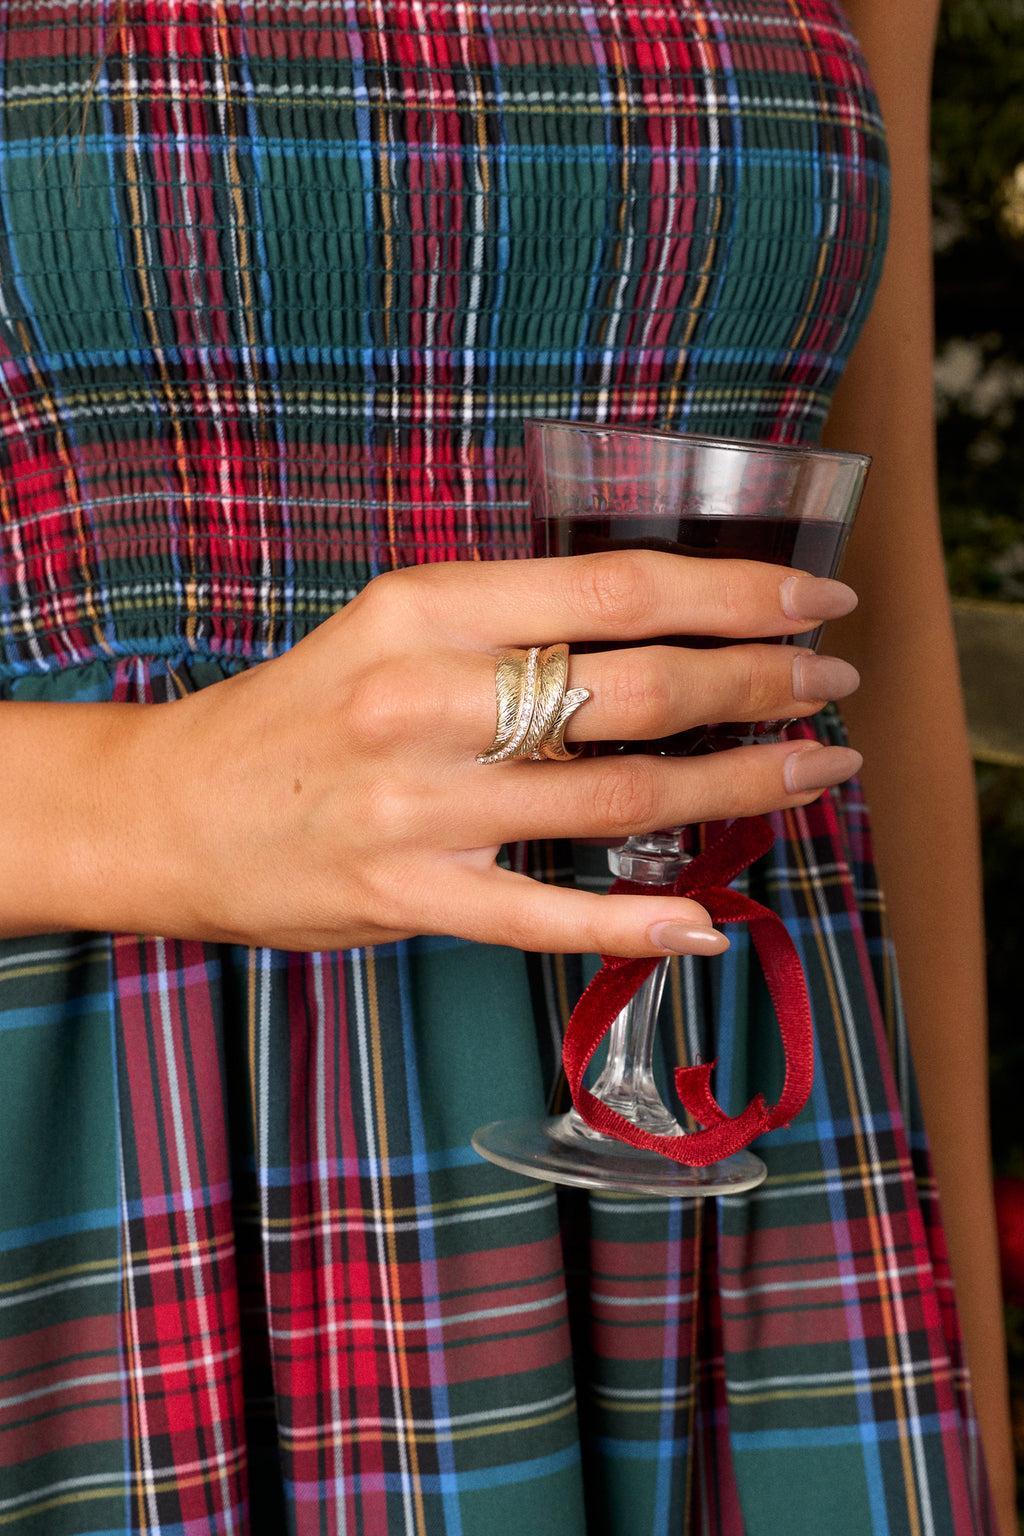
616 595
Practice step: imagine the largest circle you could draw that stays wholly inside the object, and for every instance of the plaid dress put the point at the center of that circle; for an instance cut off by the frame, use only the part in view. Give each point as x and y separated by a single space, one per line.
279 280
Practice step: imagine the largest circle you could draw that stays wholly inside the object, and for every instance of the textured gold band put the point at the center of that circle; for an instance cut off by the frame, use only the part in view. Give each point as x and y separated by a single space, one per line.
569 700
533 705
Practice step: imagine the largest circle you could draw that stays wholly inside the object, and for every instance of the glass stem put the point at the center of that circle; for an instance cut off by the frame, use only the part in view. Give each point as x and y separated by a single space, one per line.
626 1082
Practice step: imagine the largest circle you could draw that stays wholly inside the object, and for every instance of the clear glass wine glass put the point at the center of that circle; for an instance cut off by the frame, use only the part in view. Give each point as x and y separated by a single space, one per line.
596 487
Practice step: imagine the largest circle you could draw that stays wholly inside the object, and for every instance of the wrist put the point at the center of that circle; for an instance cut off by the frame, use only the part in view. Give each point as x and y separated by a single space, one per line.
125 864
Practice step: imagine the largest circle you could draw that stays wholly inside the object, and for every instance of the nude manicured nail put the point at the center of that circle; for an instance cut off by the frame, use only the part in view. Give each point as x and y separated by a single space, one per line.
822 677
681 939
816 597
819 768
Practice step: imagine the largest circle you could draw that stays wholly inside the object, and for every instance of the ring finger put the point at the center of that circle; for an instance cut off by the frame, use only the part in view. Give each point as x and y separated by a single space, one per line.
651 691
646 692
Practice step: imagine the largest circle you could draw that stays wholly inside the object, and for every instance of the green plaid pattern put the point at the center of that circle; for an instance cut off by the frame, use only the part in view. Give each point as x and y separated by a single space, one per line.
279 280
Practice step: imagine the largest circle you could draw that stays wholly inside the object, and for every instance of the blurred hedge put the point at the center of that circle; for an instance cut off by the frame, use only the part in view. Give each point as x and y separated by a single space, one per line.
978 179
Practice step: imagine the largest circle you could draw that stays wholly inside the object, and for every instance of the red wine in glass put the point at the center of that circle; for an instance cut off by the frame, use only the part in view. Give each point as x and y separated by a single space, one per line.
806 544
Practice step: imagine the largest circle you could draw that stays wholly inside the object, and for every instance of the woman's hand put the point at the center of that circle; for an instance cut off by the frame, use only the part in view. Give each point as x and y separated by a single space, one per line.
331 797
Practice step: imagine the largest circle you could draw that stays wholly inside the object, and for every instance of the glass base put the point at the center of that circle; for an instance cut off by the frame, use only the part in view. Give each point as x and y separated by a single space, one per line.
552 1150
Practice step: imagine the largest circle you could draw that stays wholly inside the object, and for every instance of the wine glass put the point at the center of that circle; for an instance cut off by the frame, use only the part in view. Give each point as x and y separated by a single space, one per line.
596 487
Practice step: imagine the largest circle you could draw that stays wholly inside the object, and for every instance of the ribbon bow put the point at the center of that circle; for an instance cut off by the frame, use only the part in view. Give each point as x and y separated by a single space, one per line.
706 877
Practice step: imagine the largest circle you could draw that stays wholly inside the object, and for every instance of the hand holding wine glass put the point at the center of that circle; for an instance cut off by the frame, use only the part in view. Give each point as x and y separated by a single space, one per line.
342 802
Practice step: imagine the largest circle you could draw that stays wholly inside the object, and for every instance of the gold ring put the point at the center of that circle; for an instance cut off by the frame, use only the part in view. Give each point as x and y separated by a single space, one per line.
553 744
552 668
515 678
533 704
508 687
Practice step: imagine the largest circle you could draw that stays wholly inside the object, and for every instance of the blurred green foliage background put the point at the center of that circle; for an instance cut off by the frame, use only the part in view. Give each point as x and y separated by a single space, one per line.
978 172
978 180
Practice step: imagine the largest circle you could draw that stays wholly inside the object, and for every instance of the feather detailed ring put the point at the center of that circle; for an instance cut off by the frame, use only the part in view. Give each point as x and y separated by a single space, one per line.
534 705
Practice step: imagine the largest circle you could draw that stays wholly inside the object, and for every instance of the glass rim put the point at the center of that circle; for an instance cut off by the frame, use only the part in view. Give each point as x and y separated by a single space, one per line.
703 440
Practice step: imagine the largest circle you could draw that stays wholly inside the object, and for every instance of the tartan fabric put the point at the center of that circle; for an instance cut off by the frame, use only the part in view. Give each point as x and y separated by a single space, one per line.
278 282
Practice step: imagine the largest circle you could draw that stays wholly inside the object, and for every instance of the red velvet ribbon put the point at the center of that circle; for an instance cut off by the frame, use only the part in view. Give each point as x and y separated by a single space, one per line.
706 878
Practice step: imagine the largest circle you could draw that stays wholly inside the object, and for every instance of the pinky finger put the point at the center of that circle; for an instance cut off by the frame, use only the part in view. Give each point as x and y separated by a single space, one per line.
497 906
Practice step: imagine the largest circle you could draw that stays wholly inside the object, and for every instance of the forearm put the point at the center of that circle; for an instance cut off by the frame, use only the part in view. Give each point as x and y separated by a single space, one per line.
75 841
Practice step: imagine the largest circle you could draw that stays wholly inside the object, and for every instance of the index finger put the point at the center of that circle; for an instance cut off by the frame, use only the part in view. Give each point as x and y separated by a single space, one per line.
624 594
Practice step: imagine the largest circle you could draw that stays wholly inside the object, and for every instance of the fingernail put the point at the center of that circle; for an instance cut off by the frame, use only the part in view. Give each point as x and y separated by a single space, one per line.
683 940
819 768
816 597
822 677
